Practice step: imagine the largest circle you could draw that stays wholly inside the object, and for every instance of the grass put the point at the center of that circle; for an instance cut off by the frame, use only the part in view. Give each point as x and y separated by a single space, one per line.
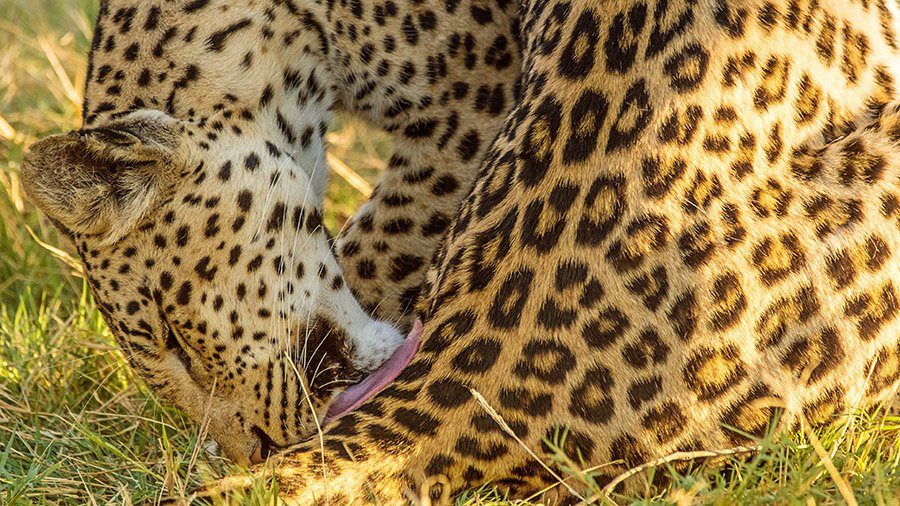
77 427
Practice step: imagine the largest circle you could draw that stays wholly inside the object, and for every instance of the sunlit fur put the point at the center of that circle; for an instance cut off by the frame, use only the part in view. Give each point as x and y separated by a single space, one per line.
218 235
684 231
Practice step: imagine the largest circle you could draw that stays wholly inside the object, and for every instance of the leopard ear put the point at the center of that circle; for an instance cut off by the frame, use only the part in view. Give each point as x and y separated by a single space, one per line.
102 181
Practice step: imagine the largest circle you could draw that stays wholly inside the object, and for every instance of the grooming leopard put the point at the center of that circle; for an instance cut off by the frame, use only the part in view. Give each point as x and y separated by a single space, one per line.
683 231
194 192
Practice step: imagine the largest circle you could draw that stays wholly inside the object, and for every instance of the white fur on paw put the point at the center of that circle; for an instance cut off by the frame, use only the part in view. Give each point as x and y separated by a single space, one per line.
375 345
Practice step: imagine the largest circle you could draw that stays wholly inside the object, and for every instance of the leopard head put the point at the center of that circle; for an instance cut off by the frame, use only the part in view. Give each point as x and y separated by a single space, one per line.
211 266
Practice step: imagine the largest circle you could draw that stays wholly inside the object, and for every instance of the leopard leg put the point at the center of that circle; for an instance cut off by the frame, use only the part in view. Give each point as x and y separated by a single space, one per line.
443 99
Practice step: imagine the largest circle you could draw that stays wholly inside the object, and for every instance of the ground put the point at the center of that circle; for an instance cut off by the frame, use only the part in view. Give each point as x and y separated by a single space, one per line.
76 426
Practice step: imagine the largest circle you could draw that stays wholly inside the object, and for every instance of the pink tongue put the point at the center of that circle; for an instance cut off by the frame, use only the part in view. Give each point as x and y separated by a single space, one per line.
354 396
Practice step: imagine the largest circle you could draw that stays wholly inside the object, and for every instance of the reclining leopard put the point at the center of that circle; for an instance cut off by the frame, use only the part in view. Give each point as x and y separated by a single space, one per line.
681 222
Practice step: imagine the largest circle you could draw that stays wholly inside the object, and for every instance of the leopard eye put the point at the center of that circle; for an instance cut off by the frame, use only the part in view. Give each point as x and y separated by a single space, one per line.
174 344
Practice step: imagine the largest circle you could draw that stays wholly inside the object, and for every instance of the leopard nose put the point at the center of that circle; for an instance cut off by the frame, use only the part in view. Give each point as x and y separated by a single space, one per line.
263 449
237 446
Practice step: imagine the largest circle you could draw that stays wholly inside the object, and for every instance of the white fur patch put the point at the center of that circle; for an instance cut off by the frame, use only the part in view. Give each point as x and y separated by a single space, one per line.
374 345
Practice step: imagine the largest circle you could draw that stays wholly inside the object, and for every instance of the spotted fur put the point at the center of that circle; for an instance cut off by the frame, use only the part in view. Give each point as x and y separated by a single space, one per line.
194 191
683 230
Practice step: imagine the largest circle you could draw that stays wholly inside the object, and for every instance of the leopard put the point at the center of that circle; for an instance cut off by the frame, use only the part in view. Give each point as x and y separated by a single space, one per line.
680 236
194 193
